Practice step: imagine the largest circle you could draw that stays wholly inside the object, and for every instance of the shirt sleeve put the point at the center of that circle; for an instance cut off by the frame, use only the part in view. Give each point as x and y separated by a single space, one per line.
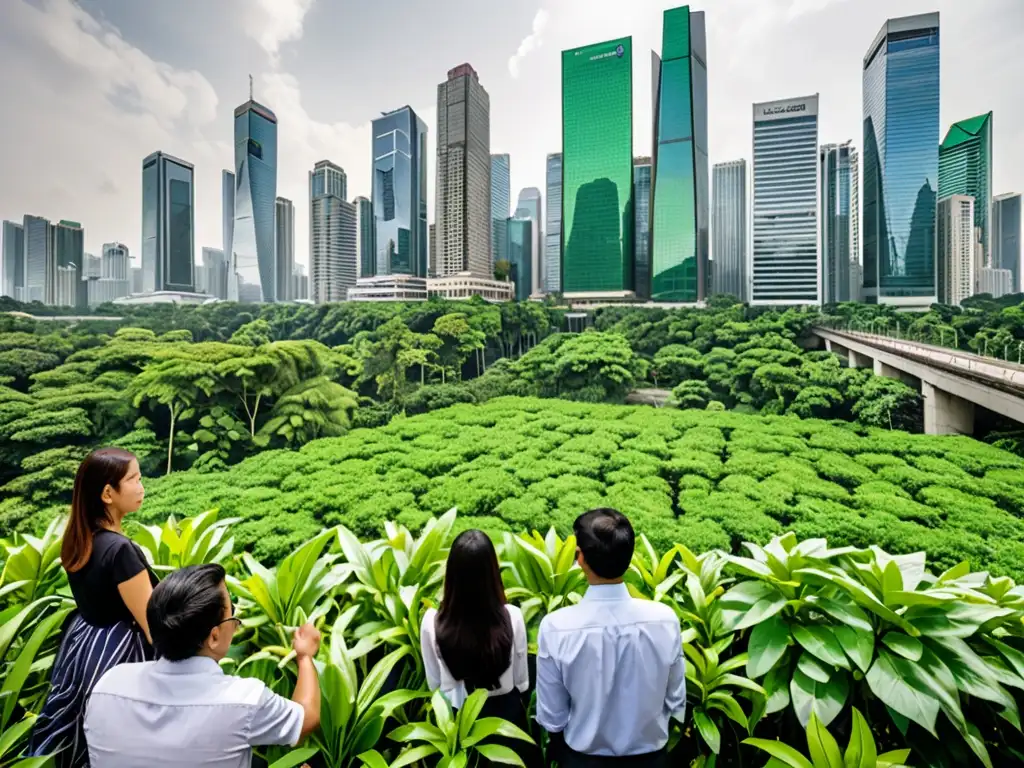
675 694
520 665
275 720
552 695
124 561
431 664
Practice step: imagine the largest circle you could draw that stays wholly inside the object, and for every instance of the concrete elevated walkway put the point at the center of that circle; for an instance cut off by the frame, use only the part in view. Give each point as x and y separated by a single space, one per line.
952 382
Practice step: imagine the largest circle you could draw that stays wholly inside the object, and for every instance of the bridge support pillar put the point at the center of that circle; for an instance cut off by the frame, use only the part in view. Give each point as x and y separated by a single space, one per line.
946 414
858 360
881 369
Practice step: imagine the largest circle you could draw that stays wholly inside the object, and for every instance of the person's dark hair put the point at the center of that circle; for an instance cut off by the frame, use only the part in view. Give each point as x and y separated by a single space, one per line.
606 539
102 467
183 608
474 631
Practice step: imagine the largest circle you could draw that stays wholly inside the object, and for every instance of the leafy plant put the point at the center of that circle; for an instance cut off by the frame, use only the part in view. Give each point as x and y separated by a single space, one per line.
192 541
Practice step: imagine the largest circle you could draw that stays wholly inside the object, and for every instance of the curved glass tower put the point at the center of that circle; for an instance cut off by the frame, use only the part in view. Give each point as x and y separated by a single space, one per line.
597 169
901 161
253 275
400 193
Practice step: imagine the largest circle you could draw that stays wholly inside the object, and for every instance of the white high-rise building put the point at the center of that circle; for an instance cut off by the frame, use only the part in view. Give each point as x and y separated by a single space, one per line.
553 225
838 208
332 234
284 247
998 282
729 229
530 207
956 265
856 269
463 212
786 257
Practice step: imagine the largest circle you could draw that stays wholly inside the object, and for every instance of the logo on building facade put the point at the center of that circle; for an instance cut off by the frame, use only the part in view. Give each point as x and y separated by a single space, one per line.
619 50
781 109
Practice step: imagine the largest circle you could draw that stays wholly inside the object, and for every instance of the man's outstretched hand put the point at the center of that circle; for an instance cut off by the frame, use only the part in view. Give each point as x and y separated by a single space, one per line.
306 641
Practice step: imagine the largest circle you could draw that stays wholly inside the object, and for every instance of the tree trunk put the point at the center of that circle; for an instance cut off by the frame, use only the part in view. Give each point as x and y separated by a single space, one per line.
252 416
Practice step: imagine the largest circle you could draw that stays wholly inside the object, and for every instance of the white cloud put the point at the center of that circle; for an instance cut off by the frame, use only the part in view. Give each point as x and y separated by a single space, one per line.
273 22
530 42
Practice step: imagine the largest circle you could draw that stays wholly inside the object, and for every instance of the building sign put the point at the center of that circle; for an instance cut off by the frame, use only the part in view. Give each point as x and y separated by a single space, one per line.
782 110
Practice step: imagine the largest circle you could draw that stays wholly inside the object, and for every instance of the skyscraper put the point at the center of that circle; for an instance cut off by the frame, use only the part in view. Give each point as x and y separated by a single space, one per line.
253 275
679 182
300 283
856 270
901 161
113 280
501 200
168 224
729 228
530 206
463 213
957 268
521 241
399 193
786 263
215 273
997 282
332 234
965 168
227 208
553 225
642 226
13 265
366 228
1006 222
284 247
837 195
65 270
597 169
432 268
38 254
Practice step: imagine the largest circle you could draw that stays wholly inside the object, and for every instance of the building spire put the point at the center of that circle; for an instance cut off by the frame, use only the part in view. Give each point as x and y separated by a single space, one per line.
250 87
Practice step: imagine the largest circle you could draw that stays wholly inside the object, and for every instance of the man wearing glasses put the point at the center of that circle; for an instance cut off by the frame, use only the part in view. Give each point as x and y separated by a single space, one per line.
182 710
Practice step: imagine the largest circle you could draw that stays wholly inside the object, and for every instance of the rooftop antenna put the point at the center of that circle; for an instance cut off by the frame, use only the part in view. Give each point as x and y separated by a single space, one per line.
250 87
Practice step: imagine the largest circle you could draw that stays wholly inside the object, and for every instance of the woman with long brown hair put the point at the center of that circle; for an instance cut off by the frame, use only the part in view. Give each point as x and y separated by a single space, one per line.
111 583
477 640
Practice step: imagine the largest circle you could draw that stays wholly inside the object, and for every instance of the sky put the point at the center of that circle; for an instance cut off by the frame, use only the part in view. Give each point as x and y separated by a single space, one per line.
89 88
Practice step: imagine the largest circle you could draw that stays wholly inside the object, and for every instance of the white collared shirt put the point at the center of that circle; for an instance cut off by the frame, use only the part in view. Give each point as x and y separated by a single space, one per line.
517 674
178 714
610 673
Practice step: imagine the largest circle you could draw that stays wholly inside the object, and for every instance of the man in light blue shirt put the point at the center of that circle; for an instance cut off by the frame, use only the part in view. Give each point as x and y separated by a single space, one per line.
182 711
610 670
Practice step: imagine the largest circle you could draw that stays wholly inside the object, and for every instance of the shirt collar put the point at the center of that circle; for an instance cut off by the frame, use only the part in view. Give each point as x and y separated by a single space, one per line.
196 665
607 592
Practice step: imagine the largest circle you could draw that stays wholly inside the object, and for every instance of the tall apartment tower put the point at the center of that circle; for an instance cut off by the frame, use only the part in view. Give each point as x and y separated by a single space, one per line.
12 267
65 271
366 229
901 162
501 201
463 213
965 168
679 182
1006 233
786 262
284 247
837 215
597 170
642 226
215 273
553 225
332 234
168 224
253 252
530 206
957 267
729 229
38 255
399 193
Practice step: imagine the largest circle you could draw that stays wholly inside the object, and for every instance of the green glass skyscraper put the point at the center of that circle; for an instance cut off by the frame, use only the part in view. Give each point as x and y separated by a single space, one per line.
965 168
597 169
679 182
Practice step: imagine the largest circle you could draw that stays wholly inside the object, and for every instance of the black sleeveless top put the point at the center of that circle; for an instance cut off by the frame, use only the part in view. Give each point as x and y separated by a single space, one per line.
114 559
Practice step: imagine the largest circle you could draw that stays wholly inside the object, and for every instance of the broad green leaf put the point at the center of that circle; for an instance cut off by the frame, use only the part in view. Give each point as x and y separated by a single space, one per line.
823 749
820 641
767 644
296 757
906 646
887 680
486 727
784 753
708 730
372 759
846 612
776 684
858 645
498 753
861 751
814 668
826 700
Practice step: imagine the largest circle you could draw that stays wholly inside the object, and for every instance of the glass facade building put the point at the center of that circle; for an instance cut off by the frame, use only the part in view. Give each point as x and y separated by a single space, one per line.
168 224
679 185
597 169
284 247
333 227
837 195
366 230
965 168
520 255
642 226
785 261
13 265
399 193
729 229
501 201
553 225
901 161
531 207
253 254
38 254
1006 223
227 207
65 270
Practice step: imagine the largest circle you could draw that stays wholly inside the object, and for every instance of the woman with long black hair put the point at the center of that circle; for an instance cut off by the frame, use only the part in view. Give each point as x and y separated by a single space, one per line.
476 640
111 583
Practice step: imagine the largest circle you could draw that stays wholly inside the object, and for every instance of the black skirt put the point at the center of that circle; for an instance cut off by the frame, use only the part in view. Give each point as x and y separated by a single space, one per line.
86 653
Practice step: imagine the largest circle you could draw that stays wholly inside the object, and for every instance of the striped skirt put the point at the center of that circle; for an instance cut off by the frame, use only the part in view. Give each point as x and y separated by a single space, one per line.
86 653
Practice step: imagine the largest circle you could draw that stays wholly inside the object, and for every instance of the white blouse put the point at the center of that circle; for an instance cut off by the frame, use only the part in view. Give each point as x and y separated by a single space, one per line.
517 674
